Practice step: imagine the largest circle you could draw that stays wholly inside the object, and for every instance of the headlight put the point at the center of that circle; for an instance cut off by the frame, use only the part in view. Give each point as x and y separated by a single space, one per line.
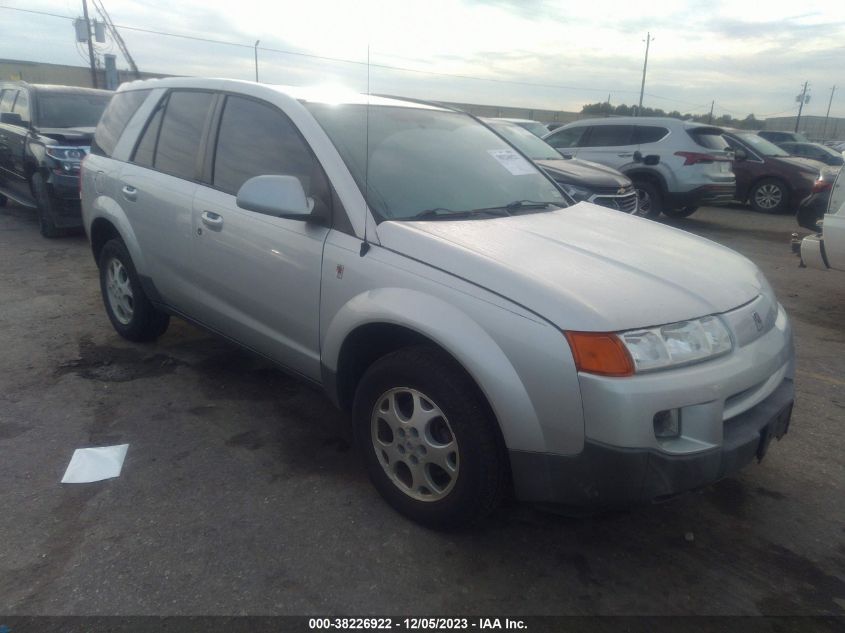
58 152
677 343
576 192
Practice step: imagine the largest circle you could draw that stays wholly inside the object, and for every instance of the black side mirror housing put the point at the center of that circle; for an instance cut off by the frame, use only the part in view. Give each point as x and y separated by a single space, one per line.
740 154
638 156
651 159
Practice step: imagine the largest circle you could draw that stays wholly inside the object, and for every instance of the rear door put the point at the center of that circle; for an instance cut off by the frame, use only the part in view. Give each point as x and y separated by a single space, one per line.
257 276
156 190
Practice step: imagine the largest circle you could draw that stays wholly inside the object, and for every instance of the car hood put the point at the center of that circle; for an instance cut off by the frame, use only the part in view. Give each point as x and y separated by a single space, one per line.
585 267
807 165
75 135
583 172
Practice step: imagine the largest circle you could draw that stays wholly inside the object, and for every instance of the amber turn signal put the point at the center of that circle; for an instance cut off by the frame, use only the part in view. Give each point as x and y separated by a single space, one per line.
600 353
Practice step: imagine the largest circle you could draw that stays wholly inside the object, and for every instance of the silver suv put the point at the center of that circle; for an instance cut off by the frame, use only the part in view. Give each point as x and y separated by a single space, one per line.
484 335
676 165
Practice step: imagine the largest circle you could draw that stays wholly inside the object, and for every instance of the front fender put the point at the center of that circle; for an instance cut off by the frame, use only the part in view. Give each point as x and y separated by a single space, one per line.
463 337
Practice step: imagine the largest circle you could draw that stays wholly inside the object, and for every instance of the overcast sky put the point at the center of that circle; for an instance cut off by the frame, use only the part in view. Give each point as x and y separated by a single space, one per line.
748 56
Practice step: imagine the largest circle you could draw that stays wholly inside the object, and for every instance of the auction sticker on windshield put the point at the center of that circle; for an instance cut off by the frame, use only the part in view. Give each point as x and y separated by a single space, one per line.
512 161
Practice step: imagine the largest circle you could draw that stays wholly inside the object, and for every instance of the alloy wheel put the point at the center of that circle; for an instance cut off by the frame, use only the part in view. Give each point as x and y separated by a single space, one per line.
768 196
119 290
415 444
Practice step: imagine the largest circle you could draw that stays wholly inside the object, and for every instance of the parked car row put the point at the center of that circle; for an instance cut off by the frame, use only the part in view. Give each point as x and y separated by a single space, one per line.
677 166
486 332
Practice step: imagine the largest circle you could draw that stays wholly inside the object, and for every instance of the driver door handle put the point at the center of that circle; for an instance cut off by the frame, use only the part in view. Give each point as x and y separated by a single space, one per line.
625 155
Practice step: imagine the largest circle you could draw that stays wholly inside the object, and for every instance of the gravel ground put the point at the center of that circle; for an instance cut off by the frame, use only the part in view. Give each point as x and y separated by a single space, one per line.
241 495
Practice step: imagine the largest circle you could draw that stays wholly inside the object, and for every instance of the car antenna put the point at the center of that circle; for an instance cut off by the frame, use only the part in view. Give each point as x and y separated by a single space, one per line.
365 245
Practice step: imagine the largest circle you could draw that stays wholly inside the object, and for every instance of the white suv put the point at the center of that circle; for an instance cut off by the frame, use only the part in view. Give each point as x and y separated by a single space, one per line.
676 165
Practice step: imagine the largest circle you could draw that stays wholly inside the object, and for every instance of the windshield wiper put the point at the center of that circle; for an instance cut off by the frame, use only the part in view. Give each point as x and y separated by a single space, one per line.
440 213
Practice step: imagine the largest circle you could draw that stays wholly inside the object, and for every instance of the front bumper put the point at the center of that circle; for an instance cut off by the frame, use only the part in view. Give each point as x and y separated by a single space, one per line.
607 476
67 209
728 408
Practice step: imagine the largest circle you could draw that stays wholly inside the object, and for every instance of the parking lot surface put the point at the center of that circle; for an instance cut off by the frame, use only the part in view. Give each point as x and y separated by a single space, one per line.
241 493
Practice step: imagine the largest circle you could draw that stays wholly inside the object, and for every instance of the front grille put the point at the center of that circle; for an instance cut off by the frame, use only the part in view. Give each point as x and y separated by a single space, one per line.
625 203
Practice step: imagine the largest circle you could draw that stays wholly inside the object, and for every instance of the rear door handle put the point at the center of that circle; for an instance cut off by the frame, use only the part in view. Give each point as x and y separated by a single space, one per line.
212 220
129 192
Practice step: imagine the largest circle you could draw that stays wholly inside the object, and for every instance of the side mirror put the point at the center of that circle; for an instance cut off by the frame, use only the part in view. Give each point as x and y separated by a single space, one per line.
280 196
567 155
740 154
651 159
11 118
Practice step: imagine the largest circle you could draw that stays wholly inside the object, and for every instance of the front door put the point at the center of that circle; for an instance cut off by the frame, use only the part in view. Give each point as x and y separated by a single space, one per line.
257 276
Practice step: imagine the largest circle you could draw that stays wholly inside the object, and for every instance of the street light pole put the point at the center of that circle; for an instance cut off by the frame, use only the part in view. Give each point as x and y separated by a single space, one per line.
648 40
255 48
827 116
802 99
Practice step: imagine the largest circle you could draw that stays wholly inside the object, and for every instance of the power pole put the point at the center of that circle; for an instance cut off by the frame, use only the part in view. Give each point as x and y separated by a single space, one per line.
802 98
710 120
101 9
257 42
91 58
827 116
648 40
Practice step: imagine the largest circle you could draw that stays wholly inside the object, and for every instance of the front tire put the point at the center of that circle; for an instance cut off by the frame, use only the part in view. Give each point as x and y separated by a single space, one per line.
131 313
650 199
769 195
44 208
430 447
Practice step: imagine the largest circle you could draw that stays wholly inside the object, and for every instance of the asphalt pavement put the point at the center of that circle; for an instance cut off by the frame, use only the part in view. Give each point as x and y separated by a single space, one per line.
241 493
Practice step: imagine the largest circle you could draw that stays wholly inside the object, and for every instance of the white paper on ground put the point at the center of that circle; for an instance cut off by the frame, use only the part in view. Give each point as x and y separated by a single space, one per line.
95 464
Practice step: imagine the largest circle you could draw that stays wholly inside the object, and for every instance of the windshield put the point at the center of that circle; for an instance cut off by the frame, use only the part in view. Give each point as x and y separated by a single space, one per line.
761 145
59 110
524 141
429 160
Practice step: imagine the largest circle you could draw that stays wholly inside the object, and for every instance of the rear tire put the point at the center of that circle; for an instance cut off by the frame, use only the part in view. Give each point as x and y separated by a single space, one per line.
44 208
131 313
683 212
770 195
650 199
430 447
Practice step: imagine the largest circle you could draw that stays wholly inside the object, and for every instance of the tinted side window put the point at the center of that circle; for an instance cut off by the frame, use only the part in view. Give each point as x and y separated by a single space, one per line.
181 132
648 134
566 138
610 135
145 151
7 100
256 139
22 105
115 118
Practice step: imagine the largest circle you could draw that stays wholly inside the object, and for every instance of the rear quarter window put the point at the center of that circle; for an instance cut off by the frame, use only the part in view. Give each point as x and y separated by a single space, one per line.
709 138
114 120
